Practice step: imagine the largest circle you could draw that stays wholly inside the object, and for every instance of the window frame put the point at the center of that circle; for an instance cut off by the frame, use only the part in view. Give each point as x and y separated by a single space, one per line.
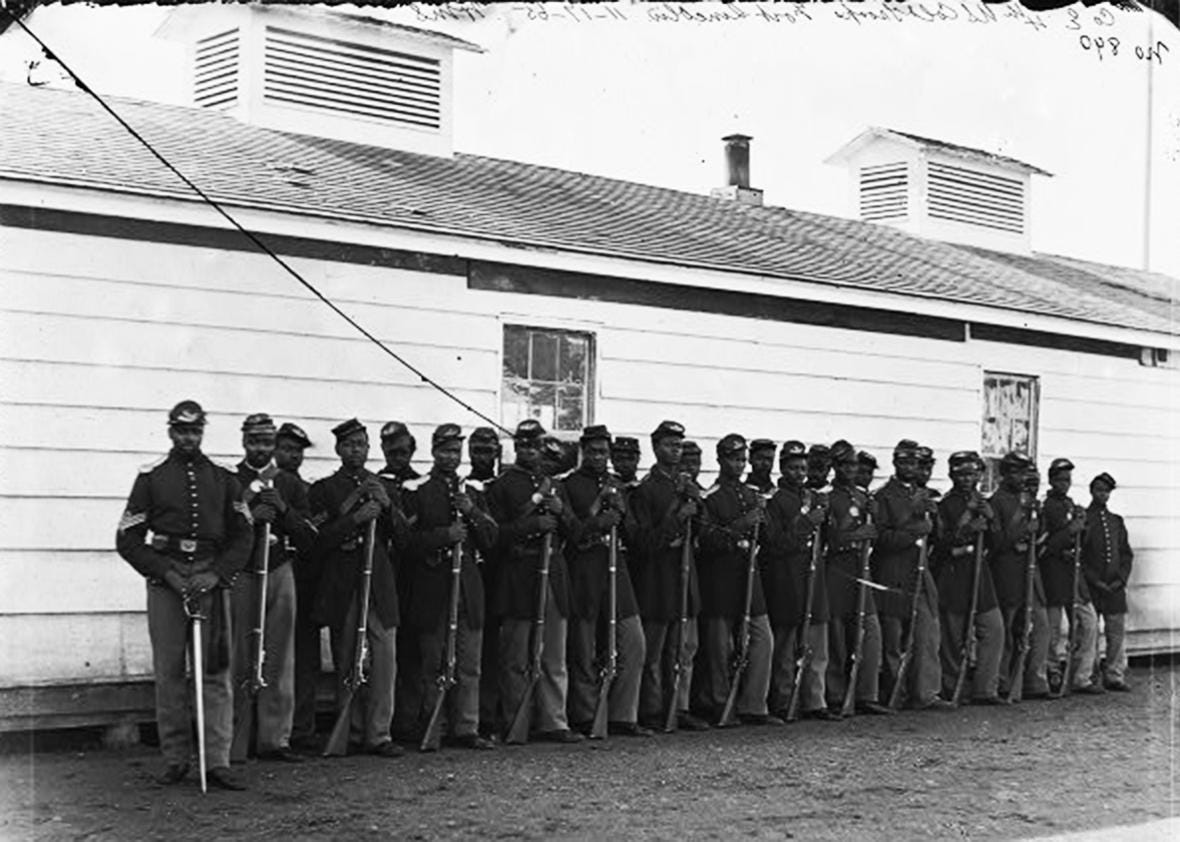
989 482
532 321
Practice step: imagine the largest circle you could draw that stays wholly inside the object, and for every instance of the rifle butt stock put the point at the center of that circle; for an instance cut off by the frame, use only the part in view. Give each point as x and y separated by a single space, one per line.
522 720
337 744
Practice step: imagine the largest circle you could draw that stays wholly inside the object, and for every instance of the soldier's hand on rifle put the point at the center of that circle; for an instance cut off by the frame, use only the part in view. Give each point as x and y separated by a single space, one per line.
815 515
199 583
1021 546
688 509
367 512
546 523
923 528
264 513
554 505
978 524
463 504
1076 526
376 491
609 518
273 498
456 532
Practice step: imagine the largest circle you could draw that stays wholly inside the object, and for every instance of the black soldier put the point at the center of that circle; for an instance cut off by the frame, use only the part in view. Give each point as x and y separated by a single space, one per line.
905 520
866 468
624 459
1106 559
761 464
663 504
342 506
791 519
732 517
596 506
278 499
527 506
201 535
1067 596
819 466
446 512
963 517
290 443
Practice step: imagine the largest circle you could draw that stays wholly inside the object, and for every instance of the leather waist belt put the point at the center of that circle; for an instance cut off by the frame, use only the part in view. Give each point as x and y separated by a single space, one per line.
174 544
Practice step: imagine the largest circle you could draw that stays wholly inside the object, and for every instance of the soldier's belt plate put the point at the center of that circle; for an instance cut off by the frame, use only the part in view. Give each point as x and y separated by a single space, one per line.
188 545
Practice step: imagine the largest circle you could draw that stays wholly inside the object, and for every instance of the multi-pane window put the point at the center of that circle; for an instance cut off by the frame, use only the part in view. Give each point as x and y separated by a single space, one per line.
1009 421
548 375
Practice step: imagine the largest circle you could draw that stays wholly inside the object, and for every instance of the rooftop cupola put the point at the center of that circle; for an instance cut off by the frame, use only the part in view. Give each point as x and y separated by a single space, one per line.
940 190
320 72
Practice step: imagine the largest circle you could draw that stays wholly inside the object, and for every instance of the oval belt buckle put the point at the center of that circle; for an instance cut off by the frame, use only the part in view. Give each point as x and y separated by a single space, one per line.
188 545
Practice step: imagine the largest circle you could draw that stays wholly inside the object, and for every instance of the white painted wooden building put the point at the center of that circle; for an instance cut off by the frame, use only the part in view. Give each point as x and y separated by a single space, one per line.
524 290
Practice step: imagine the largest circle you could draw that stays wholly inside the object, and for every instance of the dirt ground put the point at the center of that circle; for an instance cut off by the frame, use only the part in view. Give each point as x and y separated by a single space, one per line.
1036 769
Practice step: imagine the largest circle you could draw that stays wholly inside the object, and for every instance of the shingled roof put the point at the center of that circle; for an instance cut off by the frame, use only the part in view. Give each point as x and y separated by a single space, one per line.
64 137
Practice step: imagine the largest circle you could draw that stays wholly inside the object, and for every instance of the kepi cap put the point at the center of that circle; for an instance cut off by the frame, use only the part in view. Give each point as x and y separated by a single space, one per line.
187 413
1059 465
483 436
819 453
689 447
925 455
762 444
1105 479
529 430
595 432
625 444
446 433
962 461
294 433
393 429
258 424
731 444
1015 461
667 429
906 448
792 449
347 428
843 452
866 458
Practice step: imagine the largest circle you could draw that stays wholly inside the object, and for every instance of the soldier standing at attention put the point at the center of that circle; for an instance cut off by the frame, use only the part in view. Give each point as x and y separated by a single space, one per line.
527 506
277 498
1062 521
904 522
728 535
1106 560
791 518
624 459
398 446
1011 537
846 530
596 505
444 512
963 515
201 537
484 452
819 466
761 465
342 506
290 443
866 468
663 504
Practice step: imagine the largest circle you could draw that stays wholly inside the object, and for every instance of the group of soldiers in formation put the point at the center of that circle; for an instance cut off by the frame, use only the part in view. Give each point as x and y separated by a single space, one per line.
532 603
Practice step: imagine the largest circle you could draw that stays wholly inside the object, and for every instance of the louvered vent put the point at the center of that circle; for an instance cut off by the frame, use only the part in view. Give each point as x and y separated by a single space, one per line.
215 70
959 194
884 191
349 78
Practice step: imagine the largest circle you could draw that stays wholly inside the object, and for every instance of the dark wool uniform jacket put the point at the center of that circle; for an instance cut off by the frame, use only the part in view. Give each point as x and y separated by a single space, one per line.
518 550
786 558
658 546
1106 558
427 580
954 573
895 551
291 532
307 566
1009 566
848 509
184 499
587 553
1057 561
340 548
723 565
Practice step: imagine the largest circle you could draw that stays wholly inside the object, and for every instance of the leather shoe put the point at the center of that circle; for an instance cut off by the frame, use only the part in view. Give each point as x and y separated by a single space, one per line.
222 778
760 719
998 701
823 715
1090 690
689 722
1118 686
283 754
388 748
629 729
936 704
873 709
563 735
175 773
474 741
